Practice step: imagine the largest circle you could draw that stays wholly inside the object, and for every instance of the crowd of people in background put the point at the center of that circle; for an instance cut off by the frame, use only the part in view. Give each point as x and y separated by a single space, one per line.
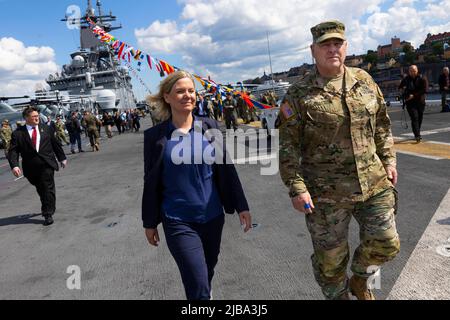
229 110
69 131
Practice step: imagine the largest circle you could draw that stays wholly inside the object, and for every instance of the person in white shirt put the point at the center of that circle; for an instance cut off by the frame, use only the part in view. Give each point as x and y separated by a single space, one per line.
38 147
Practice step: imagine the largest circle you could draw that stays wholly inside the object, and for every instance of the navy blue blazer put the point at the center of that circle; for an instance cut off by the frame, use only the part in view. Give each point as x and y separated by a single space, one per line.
225 176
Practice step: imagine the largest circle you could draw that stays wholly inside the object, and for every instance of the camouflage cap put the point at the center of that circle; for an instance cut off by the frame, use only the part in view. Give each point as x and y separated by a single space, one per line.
5 121
328 30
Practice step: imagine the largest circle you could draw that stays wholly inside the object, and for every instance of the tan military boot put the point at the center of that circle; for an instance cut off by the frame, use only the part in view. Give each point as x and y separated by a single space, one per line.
358 287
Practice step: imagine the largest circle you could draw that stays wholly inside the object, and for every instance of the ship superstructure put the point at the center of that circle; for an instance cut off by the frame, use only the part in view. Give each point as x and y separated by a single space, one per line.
94 70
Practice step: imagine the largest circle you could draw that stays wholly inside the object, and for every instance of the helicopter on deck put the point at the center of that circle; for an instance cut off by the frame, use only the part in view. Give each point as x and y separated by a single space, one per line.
8 112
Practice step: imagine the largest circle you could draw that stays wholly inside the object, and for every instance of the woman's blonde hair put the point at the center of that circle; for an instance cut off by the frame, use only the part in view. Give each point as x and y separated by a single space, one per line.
162 108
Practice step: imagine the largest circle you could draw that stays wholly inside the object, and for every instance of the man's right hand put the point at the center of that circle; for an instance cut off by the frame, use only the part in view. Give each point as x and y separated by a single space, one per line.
301 203
152 236
17 172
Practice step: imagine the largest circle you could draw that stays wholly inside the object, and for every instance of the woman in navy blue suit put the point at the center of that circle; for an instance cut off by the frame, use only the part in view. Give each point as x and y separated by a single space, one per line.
188 196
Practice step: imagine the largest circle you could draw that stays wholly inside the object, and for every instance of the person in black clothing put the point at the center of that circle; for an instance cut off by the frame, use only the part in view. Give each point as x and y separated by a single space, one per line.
201 109
51 124
136 120
38 147
118 122
73 126
444 87
414 88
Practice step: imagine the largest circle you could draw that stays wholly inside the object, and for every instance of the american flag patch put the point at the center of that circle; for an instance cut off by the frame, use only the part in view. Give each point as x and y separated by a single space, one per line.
286 110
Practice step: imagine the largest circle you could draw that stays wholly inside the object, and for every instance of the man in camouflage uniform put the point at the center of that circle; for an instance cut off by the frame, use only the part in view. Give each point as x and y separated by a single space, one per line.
229 106
90 123
337 158
60 131
272 98
252 110
269 98
5 135
242 109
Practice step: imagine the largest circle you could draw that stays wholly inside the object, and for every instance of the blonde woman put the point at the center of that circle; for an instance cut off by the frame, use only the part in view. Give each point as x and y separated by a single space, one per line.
189 199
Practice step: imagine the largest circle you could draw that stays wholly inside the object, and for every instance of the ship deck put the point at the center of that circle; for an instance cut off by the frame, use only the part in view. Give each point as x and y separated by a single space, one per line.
98 228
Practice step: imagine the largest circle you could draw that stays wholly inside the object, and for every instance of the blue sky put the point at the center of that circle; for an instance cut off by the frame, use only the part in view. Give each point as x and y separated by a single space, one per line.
223 38
37 23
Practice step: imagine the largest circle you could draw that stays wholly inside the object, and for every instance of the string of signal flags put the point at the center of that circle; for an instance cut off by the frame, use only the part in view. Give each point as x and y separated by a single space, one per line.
127 53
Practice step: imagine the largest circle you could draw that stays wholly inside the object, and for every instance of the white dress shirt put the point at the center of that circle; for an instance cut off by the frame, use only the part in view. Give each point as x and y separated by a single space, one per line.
38 140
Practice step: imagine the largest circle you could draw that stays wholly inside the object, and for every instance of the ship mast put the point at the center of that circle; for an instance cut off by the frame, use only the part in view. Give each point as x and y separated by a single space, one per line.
100 19
99 7
90 11
270 60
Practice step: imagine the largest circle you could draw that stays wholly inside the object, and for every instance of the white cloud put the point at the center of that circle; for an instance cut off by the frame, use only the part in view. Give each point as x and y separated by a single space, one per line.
404 3
227 38
410 23
21 67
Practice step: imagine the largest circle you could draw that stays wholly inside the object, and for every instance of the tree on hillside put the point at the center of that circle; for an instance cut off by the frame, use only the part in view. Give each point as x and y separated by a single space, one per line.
431 58
410 55
407 48
257 81
438 49
371 57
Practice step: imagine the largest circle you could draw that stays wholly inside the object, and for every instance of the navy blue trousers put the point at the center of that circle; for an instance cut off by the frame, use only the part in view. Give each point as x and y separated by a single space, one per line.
195 248
75 138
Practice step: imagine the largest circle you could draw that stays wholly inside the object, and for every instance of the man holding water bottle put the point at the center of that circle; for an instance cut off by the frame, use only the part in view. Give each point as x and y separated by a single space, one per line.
338 161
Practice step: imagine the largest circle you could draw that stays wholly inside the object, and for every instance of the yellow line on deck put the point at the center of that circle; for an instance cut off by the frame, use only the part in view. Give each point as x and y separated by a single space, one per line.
256 124
431 149
424 148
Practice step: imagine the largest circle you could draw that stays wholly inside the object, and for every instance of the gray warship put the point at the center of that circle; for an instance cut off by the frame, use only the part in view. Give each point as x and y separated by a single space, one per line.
94 72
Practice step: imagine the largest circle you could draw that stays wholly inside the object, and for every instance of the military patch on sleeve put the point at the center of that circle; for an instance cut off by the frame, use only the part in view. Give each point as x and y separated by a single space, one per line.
287 115
287 111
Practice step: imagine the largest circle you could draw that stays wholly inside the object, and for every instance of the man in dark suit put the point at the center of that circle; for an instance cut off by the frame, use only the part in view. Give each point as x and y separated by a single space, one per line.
415 87
201 109
38 146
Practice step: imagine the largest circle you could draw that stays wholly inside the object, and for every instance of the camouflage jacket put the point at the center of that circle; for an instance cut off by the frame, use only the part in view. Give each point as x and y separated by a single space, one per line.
90 122
335 144
59 127
5 134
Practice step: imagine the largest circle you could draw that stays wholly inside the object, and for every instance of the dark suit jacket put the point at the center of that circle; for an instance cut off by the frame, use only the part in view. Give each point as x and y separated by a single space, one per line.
225 176
443 82
206 110
48 148
417 87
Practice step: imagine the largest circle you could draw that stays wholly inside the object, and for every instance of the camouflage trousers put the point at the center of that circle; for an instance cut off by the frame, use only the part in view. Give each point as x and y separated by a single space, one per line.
329 225
6 147
61 137
94 137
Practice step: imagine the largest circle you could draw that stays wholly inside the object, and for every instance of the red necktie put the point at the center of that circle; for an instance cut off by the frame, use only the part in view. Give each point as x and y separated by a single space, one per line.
34 138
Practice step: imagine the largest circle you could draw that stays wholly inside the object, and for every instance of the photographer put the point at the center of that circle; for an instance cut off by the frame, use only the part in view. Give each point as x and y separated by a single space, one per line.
415 87
444 87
